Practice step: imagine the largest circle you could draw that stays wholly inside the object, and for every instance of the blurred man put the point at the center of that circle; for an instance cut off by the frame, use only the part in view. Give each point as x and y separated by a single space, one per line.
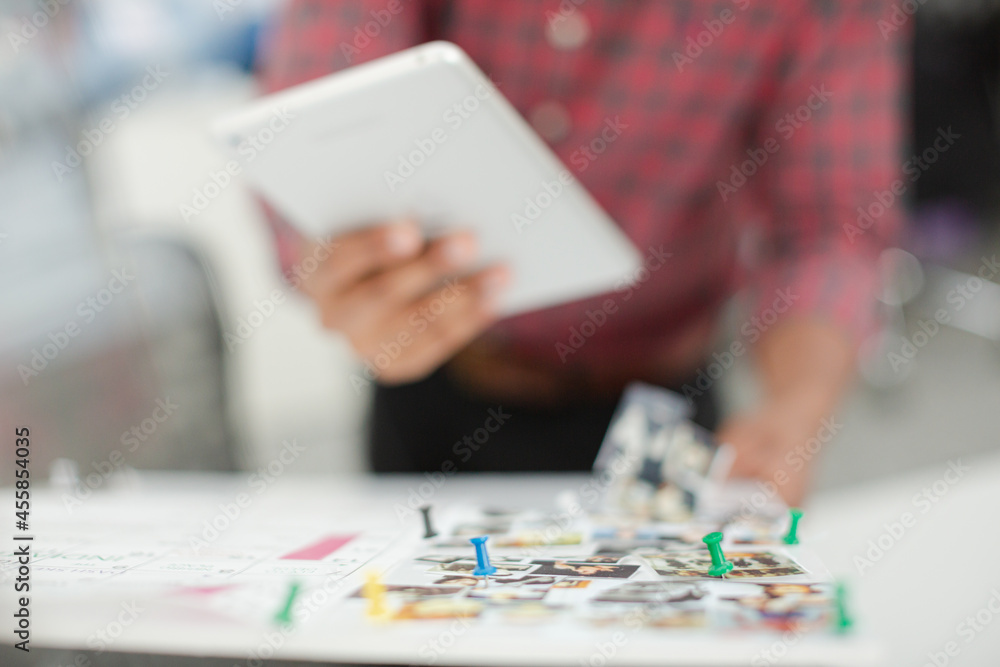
738 144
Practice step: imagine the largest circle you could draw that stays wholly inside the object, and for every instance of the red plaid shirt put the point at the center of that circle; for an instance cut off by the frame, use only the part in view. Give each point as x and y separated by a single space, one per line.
747 134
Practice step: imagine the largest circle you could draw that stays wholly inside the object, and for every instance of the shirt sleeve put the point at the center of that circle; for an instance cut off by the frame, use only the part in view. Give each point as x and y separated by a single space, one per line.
832 189
313 38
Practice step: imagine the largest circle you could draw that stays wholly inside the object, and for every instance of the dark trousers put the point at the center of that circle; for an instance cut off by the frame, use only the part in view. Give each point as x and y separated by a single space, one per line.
421 427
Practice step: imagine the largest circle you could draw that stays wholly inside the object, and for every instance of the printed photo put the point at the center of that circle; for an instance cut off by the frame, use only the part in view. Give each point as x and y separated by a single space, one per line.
599 558
454 543
537 538
782 596
501 512
673 619
529 612
659 592
415 591
484 528
662 544
696 564
440 558
575 569
507 594
659 617
468 566
459 581
507 559
779 606
436 609
530 580
789 571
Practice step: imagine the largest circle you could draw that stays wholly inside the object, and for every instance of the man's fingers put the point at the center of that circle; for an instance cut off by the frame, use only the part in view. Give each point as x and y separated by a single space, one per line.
745 466
749 442
383 289
794 492
440 324
361 253
367 304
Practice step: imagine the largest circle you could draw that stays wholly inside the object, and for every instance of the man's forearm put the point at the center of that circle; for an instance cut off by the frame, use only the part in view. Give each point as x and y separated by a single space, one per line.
806 361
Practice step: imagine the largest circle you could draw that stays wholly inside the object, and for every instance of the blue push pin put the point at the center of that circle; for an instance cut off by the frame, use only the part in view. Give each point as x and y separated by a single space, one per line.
483 567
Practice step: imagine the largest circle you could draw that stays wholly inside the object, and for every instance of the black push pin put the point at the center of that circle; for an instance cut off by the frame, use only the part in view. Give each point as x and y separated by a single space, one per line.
428 529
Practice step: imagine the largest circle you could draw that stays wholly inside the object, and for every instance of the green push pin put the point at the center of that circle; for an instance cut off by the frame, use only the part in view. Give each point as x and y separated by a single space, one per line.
792 537
284 615
842 621
720 565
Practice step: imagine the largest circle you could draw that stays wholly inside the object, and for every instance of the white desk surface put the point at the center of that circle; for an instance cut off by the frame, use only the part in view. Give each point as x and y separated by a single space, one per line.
910 601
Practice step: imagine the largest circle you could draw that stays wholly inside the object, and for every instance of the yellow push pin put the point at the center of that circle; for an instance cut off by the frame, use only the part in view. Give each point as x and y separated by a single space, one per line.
374 592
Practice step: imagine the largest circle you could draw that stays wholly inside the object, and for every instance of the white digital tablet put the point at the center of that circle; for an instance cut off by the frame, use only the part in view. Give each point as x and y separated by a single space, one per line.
424 133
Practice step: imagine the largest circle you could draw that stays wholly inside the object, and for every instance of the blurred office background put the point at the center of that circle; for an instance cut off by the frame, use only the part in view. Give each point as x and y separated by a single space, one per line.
181 357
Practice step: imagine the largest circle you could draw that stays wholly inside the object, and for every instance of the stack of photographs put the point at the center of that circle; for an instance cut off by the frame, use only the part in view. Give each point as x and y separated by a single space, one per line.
659 464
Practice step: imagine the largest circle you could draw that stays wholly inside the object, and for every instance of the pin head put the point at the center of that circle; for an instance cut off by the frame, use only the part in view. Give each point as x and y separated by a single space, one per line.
483 566
842 620
720 566
374 591
429 531
284 615
792 536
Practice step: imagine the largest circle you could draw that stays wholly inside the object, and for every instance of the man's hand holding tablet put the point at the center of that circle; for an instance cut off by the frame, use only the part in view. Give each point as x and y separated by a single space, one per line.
383 285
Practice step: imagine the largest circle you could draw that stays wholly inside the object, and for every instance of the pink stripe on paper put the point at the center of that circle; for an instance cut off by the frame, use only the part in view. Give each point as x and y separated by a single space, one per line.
319 550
